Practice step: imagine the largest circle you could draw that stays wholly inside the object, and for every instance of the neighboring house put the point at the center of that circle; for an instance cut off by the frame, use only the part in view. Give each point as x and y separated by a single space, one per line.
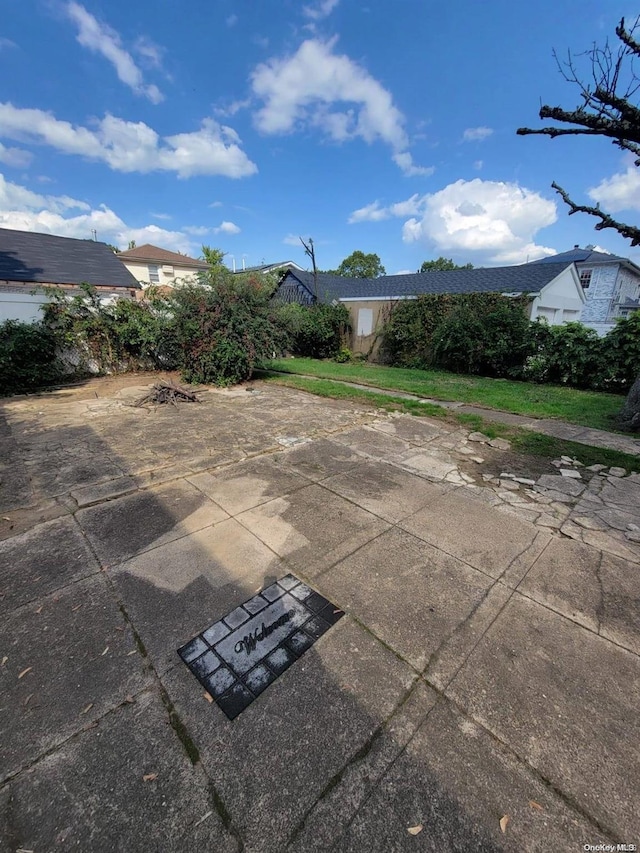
30 261
554 289
265 268
611 285
151 265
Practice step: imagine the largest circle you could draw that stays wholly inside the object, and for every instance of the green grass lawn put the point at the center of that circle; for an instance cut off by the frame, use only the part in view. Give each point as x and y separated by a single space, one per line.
587 408
523 441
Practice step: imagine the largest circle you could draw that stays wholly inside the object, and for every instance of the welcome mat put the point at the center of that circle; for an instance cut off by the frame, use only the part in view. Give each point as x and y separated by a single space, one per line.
239 656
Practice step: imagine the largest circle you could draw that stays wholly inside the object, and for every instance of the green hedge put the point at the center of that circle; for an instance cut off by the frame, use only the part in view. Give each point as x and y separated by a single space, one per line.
489 334
27 356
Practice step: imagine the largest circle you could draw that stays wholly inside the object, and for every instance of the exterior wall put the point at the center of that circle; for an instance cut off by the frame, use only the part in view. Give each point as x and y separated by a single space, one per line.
600 293
168 273
364 314
560 301
22 301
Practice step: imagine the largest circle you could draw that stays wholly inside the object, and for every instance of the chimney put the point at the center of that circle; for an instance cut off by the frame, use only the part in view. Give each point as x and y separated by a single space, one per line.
577 246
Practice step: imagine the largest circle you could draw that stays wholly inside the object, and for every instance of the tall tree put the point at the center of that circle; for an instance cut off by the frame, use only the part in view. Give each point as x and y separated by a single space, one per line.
441 265
213 256
359 265
608 107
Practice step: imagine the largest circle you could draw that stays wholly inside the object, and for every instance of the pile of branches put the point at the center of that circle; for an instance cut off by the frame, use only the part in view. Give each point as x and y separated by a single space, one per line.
167 392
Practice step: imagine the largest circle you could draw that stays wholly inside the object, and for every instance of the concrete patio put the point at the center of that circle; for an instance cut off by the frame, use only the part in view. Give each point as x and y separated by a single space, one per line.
481 693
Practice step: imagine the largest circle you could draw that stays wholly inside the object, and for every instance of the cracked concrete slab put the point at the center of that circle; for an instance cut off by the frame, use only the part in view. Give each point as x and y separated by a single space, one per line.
150 518
69 660
599 591
89 796
566 702
457 783
278 757
473 532
407 592
41 560
312 529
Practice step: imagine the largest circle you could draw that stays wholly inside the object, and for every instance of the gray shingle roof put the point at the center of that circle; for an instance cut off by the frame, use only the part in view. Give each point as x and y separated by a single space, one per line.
581 256
527 278
46 259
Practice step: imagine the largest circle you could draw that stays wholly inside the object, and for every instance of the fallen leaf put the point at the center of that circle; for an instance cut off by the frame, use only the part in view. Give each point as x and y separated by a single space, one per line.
39 610
202 819
208 697
149 777
134 652
6 518
88 708
414 830
28 699
535 805
104 652
24 672
129 700
504 820
4 660
77 607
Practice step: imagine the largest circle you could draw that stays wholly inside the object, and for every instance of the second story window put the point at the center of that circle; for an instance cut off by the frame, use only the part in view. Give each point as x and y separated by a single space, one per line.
154 274
585 278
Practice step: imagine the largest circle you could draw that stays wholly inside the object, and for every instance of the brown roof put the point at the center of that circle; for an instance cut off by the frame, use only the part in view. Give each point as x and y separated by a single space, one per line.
162 256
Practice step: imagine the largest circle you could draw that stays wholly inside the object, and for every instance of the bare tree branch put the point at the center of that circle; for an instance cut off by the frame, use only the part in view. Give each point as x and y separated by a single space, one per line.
629 231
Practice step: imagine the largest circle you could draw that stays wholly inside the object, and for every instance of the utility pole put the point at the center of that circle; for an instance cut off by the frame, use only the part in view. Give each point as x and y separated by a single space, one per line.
309 250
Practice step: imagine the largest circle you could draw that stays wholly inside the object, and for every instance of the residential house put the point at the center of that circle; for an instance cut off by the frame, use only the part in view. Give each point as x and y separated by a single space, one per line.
30 261
266 268
611 285
554 289
151 265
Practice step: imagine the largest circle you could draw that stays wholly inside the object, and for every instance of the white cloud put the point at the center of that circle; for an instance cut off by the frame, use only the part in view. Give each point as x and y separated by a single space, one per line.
302 90
490 219
196 230
16 157
621 191
375 213
6 44
127 146
24 210
476 134
161 215
478 164
216 204
231 21
100 38
405 162
227 228
292 240
369 213
321 9
151 53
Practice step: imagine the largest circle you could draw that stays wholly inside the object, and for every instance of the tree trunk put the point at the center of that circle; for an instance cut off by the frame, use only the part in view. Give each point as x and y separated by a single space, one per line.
630 415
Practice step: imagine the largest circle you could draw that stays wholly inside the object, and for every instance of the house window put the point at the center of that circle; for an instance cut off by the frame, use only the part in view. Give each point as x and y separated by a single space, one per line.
365 322
585 278
154 275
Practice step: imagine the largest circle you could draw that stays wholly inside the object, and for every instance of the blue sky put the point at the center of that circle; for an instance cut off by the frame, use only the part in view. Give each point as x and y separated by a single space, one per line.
383 126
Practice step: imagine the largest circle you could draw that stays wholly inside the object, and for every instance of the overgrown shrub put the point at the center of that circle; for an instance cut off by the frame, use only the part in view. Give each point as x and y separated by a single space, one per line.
621 354
223 329
571 354
313 331
474 332
27 356
108 338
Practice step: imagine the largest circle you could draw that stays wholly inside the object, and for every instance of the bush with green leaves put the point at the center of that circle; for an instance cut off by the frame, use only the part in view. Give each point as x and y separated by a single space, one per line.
315 331
474 333
621 354
223 328
126 335
27 357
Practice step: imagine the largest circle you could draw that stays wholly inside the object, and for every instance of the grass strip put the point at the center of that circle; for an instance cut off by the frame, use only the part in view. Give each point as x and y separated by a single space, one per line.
522 440
588 408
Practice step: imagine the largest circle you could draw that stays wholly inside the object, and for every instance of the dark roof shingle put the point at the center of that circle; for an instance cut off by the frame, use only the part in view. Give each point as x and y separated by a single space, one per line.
47 259
155 254
527 278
